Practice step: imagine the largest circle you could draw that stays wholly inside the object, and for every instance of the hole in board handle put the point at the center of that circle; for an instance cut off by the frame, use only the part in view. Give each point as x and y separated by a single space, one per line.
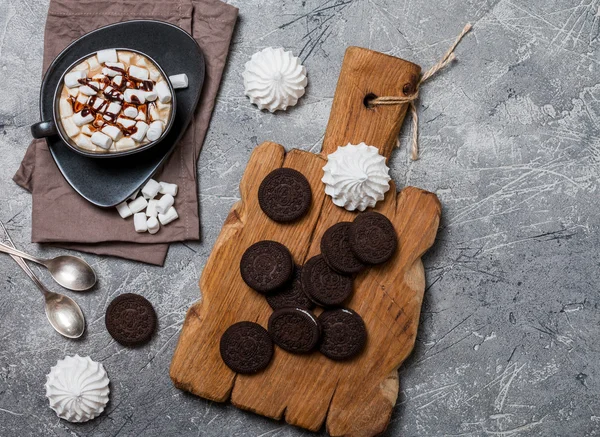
368 99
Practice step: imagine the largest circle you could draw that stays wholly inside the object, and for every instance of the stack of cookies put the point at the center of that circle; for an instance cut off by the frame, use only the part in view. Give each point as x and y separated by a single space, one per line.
297 293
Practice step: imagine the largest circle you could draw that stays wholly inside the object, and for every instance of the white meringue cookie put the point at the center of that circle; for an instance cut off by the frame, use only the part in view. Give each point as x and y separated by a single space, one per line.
77 388
356 176
274 79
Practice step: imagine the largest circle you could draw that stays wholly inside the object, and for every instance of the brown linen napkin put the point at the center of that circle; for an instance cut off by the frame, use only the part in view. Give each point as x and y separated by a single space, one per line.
60 216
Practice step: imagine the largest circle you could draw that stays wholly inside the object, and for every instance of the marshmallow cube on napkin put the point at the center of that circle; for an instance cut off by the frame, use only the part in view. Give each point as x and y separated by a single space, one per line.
168 217
165 203
138 204
151 189
167 188
124 210
153 225
151 210
157 211
140 222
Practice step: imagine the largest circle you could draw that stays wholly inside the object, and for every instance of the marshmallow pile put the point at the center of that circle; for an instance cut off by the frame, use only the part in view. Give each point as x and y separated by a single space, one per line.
148 210
116 101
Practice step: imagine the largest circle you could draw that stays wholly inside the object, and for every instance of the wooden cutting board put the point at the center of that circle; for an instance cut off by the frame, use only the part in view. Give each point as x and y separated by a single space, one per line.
353 398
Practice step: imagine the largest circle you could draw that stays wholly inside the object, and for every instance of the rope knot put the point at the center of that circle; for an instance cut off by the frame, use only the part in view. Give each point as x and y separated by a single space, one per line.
449 56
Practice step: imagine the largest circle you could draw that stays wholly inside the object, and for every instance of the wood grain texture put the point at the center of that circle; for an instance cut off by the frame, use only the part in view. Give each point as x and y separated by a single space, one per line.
353 398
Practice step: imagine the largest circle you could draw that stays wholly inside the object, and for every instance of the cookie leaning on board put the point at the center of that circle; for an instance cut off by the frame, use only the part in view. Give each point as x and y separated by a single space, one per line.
148 211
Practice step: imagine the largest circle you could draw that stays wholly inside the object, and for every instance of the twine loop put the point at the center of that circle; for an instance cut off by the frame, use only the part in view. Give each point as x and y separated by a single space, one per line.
411 98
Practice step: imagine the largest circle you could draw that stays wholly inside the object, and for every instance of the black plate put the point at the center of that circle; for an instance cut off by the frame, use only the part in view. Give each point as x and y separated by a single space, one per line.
108 182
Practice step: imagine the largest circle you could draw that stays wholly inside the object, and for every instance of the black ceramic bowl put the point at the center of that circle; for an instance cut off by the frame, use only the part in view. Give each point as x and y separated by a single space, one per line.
54 126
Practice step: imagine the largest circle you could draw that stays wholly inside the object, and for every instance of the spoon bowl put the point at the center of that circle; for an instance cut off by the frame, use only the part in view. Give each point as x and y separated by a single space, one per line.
71 272
64 315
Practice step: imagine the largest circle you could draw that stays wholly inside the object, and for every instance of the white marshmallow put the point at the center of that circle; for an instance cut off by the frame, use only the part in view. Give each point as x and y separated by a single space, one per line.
65 108
124 210
155 130
98 77
151 210
80 120
168 217
73 91
118 80
93 63
139 94
141 116
82 66
107 117
139 204
163 91
179 81
71 129
82 98
87 130
165 203
154 75
167 188
88 90
154 114
110 72
107 55
124 57
102 140
150 96
83 142
108 89
142 128
153 225
138 73
114 108
125 122
98 102
140 222
72 78
130 111
134 195
113 131
125 143
151 189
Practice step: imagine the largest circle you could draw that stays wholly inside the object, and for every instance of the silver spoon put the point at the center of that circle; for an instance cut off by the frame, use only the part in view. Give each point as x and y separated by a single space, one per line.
69 271
62 312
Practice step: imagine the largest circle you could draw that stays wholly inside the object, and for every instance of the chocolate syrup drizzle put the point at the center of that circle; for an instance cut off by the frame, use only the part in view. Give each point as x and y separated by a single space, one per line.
114 95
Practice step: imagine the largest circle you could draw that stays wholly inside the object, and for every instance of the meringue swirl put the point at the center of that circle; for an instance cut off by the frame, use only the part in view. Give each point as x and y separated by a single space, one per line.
356 176
274 79
77 388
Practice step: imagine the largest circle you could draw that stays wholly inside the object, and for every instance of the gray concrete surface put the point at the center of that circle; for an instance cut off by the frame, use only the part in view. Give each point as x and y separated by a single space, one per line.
510 137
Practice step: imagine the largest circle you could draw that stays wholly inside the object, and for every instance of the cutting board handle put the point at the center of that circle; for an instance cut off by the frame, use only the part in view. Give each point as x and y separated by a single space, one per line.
365 75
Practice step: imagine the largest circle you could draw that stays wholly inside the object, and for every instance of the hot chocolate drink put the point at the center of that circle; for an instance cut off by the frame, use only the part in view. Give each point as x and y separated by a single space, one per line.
113 101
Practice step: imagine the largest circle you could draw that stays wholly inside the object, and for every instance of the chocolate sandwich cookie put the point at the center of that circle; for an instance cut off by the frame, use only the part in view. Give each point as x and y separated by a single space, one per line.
335 248
130 319
294 329
246 347
266 266
373 238
284 195
323 285
343 334
291 295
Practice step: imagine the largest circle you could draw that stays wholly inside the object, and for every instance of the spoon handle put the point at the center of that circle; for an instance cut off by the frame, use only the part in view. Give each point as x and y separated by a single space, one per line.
12 251
6 241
